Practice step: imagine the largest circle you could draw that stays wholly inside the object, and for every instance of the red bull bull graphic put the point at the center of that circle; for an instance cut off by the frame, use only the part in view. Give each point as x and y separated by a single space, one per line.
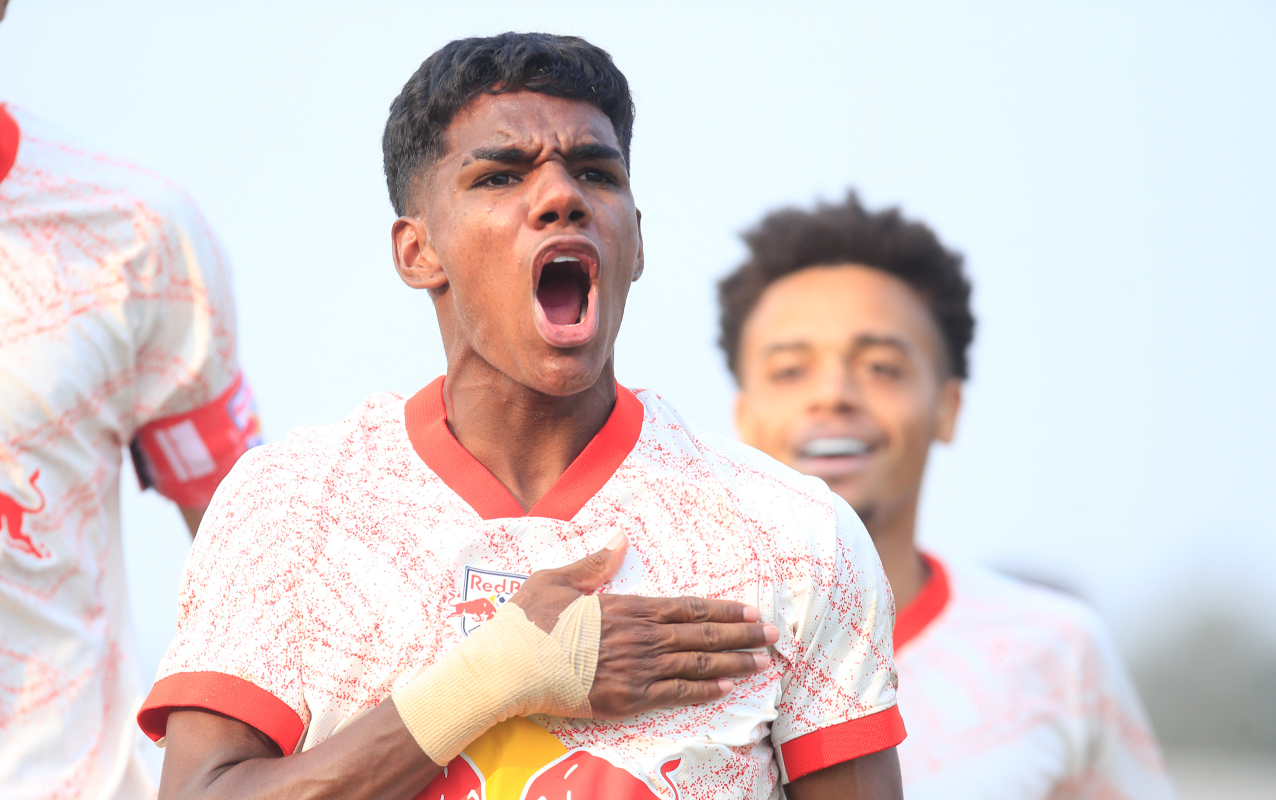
12 515
520 760
483 592
479 610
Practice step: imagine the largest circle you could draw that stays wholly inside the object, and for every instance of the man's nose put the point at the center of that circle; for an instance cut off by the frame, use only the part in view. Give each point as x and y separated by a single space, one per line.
836 390
558 198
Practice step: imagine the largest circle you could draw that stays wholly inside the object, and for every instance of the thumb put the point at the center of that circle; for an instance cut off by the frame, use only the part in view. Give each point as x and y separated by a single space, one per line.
597 568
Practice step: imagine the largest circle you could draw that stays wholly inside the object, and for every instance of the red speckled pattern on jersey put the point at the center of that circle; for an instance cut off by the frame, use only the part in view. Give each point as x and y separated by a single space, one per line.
328 567
1016 691
115 312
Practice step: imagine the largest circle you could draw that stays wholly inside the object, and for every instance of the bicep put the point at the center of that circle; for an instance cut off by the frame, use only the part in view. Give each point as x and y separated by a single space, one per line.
871 777
200 745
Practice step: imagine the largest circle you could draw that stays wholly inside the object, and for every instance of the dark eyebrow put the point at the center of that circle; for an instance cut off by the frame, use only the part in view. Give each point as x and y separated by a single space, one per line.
592 152
866 340
505 155
517 155
861 342
782 347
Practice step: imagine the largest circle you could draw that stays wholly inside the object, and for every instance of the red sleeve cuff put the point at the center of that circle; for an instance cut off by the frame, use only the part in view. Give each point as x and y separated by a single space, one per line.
185 456
225 694
843 742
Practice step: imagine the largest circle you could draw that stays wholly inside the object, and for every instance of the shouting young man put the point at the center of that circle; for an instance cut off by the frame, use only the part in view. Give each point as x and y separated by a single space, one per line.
847 333
371 608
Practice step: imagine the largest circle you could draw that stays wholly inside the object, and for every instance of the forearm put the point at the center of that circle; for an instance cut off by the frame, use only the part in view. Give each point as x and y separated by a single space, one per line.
374 757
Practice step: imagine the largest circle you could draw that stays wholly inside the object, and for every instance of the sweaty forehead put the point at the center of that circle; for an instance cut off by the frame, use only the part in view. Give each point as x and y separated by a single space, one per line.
529 121
832 307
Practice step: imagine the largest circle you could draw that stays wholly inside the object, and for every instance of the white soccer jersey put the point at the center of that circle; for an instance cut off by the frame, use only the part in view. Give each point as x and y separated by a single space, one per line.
333 567
1014 692
116 330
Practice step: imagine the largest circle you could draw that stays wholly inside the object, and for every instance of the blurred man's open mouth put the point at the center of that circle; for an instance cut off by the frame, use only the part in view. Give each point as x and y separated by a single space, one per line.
566 293
833 456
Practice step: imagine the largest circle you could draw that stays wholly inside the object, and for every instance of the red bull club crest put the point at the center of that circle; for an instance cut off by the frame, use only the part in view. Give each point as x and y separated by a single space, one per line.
483 593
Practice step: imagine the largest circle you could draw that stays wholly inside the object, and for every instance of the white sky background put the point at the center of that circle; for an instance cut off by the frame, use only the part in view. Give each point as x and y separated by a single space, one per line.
1108 172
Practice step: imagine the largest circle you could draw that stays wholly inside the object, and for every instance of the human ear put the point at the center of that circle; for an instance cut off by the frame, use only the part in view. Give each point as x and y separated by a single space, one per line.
415 258
947 409
641 263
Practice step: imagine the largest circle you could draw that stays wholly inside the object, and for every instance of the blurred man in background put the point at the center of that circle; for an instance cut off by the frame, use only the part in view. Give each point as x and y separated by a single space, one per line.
116 330
847 332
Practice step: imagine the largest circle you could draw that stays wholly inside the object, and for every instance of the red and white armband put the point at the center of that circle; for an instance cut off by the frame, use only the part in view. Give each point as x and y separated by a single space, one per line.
185 456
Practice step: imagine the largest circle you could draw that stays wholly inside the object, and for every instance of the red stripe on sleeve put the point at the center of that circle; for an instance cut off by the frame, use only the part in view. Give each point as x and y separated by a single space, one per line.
225 694
849 740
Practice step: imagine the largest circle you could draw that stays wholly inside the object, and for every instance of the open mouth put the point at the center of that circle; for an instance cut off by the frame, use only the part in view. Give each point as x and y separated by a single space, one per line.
566 292
563 291
834 447
832 457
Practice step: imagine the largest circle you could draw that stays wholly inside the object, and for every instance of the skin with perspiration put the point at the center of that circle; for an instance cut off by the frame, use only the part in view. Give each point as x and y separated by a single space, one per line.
525 409
851 351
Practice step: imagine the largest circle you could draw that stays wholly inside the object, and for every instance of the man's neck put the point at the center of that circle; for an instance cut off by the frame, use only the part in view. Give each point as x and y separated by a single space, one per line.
524 438
893 536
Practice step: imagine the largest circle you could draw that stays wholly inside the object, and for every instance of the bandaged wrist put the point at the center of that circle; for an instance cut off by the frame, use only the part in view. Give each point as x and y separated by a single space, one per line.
506 668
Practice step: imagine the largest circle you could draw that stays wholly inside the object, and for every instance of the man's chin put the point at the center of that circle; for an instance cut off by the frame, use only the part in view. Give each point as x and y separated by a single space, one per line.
851 489
563 374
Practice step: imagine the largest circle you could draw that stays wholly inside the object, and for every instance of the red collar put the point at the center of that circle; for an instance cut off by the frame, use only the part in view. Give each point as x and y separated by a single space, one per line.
913 618
9 136
426 420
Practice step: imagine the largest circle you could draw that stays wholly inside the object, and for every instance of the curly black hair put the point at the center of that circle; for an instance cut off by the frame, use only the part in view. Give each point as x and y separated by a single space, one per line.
792 239
562 66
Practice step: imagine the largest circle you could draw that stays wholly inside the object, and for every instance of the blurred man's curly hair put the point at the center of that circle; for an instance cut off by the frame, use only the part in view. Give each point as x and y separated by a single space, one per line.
792 239
561 66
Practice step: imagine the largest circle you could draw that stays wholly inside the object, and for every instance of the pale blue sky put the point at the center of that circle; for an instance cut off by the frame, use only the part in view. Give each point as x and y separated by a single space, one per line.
1107 171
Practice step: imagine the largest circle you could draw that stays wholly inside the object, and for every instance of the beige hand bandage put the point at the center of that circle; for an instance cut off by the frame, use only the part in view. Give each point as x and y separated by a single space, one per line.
506 668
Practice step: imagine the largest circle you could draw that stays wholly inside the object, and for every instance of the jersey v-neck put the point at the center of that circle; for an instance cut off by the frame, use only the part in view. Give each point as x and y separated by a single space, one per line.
9 136
426 420
913 618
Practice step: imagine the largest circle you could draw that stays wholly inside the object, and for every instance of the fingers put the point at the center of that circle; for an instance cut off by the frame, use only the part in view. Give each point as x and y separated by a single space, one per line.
680 692
705 666
715 637
681 609
595 569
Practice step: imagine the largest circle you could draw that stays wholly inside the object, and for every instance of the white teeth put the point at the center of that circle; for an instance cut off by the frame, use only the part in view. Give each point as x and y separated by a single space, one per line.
834 448
562 259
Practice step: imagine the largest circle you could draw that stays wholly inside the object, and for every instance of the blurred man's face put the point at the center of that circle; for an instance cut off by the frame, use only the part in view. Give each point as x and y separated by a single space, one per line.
842 377
528 239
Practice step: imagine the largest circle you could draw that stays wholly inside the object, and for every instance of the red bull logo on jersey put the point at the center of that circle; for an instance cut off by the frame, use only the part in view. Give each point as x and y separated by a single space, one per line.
519 760
483 592
12 518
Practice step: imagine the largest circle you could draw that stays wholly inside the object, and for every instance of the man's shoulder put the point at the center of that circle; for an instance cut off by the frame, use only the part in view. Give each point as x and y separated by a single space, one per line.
706 474
310 454
757 485
64 175
992 608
